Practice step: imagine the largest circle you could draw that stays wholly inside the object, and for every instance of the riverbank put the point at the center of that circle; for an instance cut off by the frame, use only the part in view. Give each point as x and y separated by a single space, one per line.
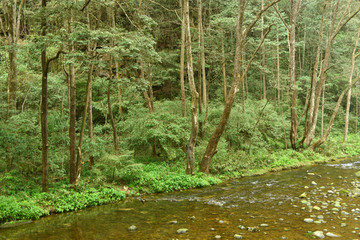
23 200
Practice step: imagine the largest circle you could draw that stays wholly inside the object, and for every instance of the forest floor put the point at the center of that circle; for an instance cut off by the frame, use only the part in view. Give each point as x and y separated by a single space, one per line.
23 200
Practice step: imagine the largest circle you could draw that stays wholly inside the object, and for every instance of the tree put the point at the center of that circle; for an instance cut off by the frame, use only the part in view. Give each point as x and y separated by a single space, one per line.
316 88
353 58
190 166
10 27
241 35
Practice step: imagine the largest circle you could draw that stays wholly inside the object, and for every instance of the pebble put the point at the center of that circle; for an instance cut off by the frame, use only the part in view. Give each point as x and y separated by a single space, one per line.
173 222
264 225
182 230
329 234
132 228
238 236
217 237
308 220
319 234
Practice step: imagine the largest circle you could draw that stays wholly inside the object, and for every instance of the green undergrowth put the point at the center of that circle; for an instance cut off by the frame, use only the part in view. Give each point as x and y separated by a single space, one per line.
22 199
33 204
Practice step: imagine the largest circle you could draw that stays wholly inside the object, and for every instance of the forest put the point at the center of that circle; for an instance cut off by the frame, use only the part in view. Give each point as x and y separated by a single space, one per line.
103 99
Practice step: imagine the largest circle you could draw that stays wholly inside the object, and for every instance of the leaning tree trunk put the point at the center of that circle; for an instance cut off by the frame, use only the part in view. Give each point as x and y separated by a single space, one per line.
190 166
353 58
332 118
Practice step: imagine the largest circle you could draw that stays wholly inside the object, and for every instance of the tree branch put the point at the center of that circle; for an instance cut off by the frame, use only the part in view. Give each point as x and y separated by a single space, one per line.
282 19
54 58
255 52
85 5
247 30
342 25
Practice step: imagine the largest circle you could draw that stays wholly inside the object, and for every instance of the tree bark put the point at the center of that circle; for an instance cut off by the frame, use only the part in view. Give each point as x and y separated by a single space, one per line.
182 62
190 166
292 71
44 104
348 100
112 116
223 67
263 57
72 123
241 35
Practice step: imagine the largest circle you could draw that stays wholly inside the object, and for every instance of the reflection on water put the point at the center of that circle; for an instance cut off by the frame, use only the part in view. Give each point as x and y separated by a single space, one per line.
262 207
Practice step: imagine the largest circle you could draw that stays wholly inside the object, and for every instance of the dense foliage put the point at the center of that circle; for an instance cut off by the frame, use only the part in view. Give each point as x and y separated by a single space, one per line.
131 51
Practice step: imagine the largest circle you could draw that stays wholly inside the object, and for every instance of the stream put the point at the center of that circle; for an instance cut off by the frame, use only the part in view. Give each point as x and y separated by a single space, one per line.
281 205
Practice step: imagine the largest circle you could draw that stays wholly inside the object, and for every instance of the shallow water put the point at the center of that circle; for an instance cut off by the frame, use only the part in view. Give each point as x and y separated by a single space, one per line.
271 199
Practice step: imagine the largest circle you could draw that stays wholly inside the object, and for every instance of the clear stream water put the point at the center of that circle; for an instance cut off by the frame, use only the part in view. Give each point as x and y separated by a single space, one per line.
271 199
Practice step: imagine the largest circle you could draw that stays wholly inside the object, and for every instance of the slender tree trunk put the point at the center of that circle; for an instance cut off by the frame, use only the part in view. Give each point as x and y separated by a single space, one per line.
223 67
12 79
322 111
263 57
292 70
90 123
348 101
112 116
182 62
202 53
72 123
190 167
44 104
79 161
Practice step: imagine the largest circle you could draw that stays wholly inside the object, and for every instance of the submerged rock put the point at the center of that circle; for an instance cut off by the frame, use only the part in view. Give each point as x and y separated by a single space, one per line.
132 228
357 174
238 236
319 234
329 234
308 220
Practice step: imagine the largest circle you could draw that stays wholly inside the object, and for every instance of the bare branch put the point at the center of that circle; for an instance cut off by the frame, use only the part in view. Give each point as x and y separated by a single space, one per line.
282 19
85 5
343 24
247 30
255 52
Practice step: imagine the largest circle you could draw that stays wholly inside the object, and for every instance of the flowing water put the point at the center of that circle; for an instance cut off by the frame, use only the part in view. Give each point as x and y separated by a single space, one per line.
261 207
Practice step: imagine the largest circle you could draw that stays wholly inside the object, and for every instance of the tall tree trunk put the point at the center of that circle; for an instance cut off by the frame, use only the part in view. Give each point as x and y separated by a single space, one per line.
44 104
348 101
292 70
322 111
112 121
223 67
182 62
263 57
202 53
241 35
72 123
79 161
12 79
190 166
